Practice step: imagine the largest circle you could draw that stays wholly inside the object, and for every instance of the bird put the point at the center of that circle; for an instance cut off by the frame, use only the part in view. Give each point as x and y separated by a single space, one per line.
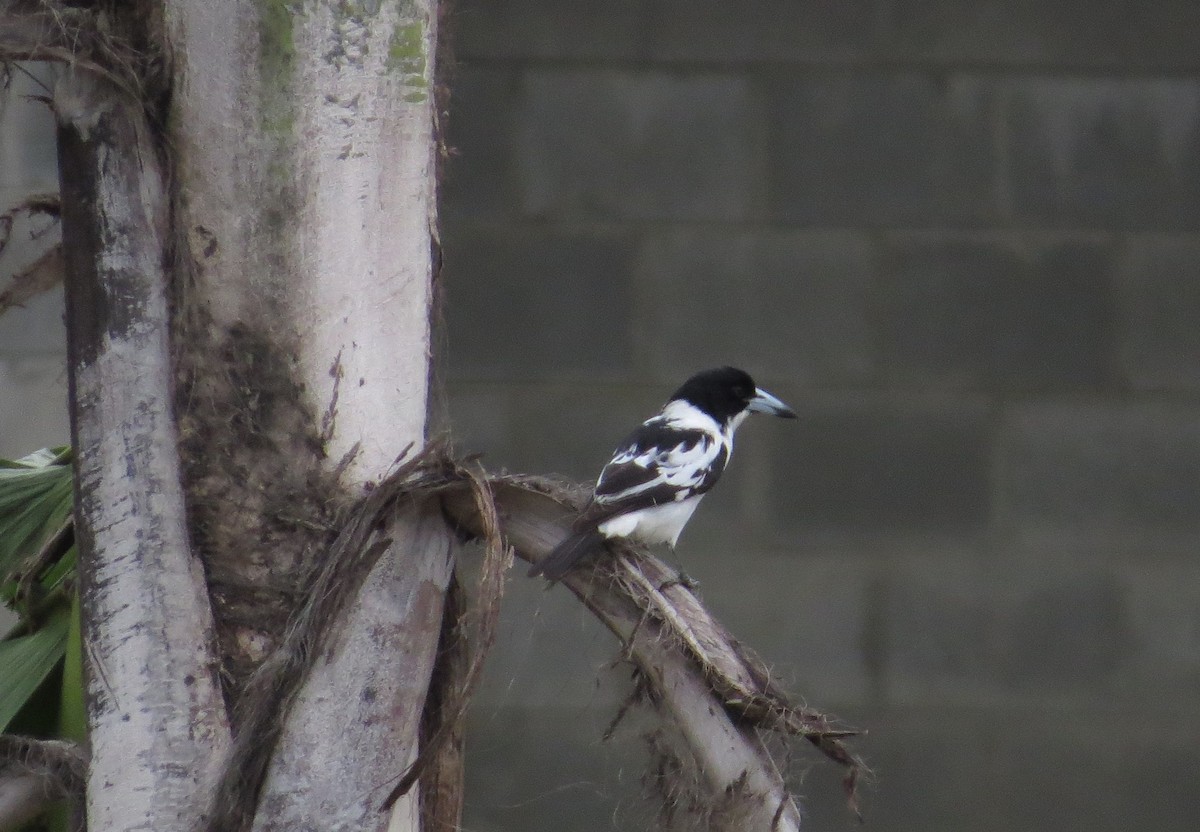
657 476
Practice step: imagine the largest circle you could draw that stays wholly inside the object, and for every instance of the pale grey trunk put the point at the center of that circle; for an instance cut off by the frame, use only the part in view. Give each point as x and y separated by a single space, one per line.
306 174
352 730
157 723
305 177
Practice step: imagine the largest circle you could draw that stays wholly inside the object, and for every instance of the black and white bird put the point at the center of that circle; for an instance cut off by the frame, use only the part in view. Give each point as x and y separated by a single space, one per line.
658 475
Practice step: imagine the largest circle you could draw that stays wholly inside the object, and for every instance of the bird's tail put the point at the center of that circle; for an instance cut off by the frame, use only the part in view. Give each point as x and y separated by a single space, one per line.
573 549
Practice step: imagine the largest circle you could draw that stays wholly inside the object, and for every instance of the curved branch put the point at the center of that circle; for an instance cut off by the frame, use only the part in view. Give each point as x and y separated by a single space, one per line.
717 693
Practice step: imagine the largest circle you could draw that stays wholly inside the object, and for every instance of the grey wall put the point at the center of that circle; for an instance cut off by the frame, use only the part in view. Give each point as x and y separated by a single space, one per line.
963 239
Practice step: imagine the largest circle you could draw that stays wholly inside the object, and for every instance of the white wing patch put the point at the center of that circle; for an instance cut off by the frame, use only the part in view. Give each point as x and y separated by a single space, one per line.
683 467
654 481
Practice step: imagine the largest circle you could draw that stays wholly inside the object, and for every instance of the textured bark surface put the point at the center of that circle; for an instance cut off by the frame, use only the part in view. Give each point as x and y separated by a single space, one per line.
304 203
305 152
304 155
354 726
157 723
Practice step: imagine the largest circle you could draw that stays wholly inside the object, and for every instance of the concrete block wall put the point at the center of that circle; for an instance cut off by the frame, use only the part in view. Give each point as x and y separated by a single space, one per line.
963 240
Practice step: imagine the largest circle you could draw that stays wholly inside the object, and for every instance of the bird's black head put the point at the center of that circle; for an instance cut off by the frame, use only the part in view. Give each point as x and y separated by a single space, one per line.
726 392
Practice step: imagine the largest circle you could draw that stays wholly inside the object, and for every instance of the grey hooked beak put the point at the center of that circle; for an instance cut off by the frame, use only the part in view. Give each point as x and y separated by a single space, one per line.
764 402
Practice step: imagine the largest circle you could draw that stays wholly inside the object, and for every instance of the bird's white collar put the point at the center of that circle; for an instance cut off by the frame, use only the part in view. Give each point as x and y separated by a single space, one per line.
683 414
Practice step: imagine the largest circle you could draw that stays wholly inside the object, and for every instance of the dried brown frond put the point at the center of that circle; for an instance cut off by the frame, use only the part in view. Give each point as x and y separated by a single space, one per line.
484 613
82 37
265 700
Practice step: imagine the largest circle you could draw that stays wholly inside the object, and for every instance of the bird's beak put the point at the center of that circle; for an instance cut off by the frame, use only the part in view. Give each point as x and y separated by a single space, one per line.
764 402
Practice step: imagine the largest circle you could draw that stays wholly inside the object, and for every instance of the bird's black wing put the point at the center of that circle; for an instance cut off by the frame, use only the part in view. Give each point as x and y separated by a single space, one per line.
656 464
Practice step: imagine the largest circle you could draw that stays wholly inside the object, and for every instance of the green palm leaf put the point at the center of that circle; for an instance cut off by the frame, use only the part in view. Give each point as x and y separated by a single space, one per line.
28 660
37 562
36 499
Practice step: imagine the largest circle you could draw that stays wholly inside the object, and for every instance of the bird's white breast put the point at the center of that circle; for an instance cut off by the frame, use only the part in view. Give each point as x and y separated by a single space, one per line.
657 524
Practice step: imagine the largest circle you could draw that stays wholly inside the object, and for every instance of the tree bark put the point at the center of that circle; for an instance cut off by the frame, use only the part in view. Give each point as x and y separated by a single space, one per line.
305 153
304 156
157 722
354 724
